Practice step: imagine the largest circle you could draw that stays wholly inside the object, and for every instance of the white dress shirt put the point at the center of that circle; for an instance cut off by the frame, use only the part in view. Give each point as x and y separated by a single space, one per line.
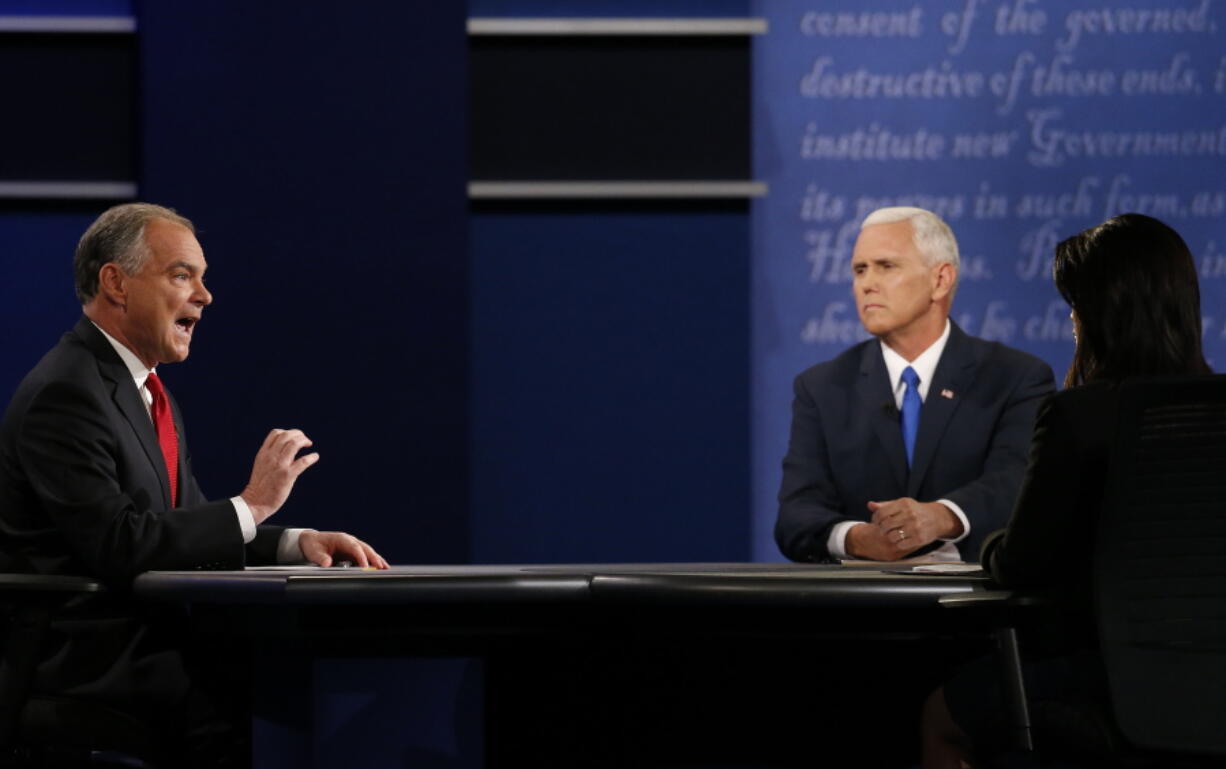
925 366
288 550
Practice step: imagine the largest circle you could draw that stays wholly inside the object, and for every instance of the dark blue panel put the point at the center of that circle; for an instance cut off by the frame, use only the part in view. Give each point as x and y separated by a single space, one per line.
45 134
37 304
320 149
405 713
66 7
609 107
610 385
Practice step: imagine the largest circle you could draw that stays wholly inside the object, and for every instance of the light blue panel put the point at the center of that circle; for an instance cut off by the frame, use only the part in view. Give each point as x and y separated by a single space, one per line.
1022 122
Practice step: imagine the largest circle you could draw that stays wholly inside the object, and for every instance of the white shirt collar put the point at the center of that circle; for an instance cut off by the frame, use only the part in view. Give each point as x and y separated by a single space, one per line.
135 367
925 366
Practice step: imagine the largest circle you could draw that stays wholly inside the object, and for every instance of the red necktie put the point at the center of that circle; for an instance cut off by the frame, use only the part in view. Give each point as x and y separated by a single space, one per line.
164 424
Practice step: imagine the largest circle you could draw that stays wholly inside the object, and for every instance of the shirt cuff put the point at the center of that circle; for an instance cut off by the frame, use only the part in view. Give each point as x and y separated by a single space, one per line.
836 543
288 549
966 524
246 521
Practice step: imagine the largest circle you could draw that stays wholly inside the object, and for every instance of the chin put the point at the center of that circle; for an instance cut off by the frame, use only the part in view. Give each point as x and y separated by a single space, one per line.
874 328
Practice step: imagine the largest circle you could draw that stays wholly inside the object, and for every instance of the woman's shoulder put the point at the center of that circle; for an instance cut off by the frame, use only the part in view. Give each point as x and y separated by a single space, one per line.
1092 403
1094 392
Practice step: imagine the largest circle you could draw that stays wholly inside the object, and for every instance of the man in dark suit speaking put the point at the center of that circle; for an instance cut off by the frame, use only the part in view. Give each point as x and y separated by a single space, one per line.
96 477
913 442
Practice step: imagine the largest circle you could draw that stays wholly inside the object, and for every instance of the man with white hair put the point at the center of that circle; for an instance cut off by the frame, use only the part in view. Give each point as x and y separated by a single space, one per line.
915 442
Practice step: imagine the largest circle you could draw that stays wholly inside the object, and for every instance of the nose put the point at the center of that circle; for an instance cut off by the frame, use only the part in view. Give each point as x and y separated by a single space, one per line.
202 296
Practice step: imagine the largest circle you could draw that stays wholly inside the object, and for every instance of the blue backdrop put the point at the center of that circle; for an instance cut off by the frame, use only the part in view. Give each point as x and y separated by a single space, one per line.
1020 122
536 382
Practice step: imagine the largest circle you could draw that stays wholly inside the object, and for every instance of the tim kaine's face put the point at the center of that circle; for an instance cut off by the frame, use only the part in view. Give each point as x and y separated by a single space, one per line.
893 286
167 297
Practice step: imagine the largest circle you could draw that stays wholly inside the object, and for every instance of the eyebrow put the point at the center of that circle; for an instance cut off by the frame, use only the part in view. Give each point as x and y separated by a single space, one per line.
184 265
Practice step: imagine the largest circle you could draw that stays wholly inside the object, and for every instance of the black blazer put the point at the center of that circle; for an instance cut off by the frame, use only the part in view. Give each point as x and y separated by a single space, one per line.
1051 532
84 490
846 446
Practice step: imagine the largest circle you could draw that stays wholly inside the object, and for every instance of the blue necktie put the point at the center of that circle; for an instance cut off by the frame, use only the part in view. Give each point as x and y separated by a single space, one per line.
910 411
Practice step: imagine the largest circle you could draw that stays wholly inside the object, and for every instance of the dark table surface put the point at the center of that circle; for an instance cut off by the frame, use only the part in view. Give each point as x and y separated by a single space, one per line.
688 663
727 584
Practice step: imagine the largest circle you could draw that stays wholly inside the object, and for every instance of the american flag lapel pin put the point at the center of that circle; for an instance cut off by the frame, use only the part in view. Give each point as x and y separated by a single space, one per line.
947 394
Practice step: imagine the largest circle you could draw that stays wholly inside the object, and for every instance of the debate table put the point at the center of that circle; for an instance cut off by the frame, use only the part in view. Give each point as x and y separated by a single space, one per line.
604 664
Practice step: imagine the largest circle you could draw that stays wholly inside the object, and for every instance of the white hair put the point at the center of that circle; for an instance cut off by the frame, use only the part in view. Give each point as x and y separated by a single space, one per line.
931 235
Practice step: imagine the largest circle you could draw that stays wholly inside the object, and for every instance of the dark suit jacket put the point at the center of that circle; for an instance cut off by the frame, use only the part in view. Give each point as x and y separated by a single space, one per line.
84 490
1046 548
846 445
1053 523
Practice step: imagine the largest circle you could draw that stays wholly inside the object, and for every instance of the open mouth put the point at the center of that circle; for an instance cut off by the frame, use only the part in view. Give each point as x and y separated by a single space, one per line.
186 325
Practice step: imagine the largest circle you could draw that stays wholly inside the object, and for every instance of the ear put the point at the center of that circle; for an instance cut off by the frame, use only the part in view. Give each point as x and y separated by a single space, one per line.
112 284
943 278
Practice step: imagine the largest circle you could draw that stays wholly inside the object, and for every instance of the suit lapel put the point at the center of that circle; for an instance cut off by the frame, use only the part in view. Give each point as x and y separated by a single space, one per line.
951 380
877 400
127 399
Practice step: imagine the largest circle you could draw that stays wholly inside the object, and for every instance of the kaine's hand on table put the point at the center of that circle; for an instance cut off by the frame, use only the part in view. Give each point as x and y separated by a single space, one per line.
277 465
324 548
906 525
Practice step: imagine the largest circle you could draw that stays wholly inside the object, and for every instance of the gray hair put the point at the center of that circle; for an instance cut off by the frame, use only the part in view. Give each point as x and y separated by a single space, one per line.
931 235
118 236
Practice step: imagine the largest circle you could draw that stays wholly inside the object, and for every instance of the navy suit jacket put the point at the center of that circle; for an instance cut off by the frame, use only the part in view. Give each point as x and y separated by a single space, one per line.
846 445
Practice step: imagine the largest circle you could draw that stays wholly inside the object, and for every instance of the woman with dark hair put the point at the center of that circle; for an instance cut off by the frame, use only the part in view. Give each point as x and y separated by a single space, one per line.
1131 283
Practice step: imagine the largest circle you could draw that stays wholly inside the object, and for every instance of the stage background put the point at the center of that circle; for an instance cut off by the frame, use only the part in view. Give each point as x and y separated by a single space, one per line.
606 381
